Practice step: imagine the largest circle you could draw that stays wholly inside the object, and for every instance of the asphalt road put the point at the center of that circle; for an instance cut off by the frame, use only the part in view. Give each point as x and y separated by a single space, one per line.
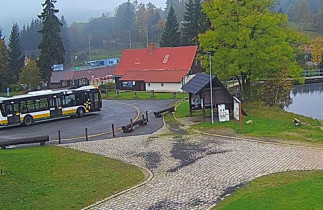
99 124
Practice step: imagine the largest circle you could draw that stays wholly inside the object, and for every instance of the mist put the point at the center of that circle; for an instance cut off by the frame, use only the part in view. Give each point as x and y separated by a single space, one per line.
22 11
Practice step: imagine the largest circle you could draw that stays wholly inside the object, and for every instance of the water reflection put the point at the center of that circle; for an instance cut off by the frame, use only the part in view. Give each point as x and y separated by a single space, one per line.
307 100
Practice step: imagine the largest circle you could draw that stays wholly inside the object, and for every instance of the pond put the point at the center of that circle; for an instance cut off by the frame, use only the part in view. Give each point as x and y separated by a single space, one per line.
307 100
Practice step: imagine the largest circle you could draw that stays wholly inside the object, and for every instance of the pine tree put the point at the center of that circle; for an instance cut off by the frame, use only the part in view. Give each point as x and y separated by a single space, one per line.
203 22
51 46
15 54
4 64
66 40
190 25
171 36
1 36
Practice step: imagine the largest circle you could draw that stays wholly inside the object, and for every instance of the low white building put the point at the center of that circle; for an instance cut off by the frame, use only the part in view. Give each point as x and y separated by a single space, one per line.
159 69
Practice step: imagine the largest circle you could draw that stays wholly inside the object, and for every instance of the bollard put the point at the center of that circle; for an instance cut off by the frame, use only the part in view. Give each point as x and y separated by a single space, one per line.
113 133
86 136
152 93
135 94
131 124
59 137
147 116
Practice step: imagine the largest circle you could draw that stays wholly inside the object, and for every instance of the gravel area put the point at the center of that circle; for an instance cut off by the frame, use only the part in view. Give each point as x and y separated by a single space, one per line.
195 171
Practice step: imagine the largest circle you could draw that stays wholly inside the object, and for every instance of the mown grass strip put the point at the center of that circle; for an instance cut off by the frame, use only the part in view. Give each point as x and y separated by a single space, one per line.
289 190
59 178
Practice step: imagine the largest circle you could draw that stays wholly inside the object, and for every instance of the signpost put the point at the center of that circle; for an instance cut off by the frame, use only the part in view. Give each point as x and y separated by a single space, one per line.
8 92
237 110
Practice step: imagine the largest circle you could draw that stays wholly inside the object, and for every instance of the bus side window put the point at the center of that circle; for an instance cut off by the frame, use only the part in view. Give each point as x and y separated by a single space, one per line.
2 109
41 104
30 105
23 107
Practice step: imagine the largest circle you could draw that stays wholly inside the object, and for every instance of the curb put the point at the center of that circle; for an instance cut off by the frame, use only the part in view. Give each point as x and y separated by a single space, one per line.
151 176
258 141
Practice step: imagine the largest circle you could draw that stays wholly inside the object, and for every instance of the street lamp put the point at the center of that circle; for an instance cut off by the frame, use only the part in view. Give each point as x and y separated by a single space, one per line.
146 34
211 53
129 38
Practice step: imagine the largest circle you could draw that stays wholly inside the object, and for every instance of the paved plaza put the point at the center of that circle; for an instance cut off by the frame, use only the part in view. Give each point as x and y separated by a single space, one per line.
196 171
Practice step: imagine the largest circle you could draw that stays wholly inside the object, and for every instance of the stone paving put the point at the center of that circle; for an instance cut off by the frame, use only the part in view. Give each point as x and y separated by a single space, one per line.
195 172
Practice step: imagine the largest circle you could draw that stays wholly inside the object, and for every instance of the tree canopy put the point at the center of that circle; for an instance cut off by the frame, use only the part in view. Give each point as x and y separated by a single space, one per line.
171 36
16 59
51 46
254 42
30 75
4 64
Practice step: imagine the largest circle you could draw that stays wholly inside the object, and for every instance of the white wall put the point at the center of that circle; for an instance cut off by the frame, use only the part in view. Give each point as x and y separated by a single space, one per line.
168 87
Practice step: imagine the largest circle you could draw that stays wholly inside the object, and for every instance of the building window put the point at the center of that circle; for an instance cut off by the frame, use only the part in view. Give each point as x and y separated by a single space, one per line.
148 84
162 84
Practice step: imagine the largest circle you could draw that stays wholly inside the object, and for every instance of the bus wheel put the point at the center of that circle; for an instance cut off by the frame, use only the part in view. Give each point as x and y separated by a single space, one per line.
80 113
28 120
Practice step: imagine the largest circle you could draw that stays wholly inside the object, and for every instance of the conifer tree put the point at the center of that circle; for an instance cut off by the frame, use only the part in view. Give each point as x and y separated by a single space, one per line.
190 25
1 37
65 39
15 54
51 46
171 36
4 64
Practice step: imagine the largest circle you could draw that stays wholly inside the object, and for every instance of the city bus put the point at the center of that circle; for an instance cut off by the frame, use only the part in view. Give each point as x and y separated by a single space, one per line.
49 104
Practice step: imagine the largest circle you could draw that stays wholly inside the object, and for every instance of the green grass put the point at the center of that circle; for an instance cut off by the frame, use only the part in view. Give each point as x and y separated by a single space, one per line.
130 95
59 178
289 190
270 122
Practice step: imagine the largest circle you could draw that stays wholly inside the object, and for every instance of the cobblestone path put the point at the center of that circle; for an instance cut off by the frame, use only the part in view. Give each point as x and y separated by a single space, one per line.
195 172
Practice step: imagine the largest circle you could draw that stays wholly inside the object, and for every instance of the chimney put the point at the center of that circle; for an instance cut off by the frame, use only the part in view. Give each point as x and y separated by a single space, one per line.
151 48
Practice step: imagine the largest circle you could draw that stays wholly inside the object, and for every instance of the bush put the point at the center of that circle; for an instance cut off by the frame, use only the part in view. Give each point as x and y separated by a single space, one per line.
14 87
108 86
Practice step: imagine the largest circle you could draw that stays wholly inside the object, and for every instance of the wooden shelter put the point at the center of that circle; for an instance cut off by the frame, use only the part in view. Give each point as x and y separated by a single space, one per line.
199 93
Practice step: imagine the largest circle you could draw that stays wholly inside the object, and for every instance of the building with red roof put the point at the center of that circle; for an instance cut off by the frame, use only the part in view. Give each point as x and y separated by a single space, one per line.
160 69
94 76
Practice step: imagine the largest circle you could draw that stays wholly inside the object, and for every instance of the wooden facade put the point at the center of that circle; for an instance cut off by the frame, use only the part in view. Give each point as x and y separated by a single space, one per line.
200 96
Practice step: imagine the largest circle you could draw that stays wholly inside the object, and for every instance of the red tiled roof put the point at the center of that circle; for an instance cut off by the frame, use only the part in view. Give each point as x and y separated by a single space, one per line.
82 74
155 76
166 58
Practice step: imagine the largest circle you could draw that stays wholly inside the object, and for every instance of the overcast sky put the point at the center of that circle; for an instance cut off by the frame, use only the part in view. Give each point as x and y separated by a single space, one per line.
22 11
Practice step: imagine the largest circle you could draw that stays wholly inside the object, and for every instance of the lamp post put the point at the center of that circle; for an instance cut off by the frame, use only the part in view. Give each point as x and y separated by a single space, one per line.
129 39
147 37
210 53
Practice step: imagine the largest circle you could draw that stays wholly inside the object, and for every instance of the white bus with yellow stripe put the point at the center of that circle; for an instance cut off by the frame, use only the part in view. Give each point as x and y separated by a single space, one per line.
42 105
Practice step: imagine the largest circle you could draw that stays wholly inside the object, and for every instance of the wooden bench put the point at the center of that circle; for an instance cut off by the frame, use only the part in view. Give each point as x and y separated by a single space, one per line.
159 114
30 140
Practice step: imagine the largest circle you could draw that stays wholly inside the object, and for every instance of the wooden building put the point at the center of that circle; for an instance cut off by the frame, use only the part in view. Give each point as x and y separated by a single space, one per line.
199 93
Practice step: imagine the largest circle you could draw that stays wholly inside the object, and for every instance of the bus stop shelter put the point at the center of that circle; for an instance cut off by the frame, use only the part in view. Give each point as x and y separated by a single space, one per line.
200 95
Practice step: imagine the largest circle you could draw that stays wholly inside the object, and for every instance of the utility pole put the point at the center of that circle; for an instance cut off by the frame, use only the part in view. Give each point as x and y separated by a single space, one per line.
147 35
211 88
130 44
90 48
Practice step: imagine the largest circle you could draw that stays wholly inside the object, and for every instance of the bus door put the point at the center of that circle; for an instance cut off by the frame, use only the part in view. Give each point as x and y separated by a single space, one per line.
94 100
55 107
12 113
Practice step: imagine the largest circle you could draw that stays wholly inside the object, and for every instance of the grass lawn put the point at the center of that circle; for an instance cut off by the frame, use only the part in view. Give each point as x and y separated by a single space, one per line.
267 122
58 178
130 95
289 190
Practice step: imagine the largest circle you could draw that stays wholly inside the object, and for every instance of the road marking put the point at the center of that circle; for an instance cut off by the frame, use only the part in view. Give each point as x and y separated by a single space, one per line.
105 133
